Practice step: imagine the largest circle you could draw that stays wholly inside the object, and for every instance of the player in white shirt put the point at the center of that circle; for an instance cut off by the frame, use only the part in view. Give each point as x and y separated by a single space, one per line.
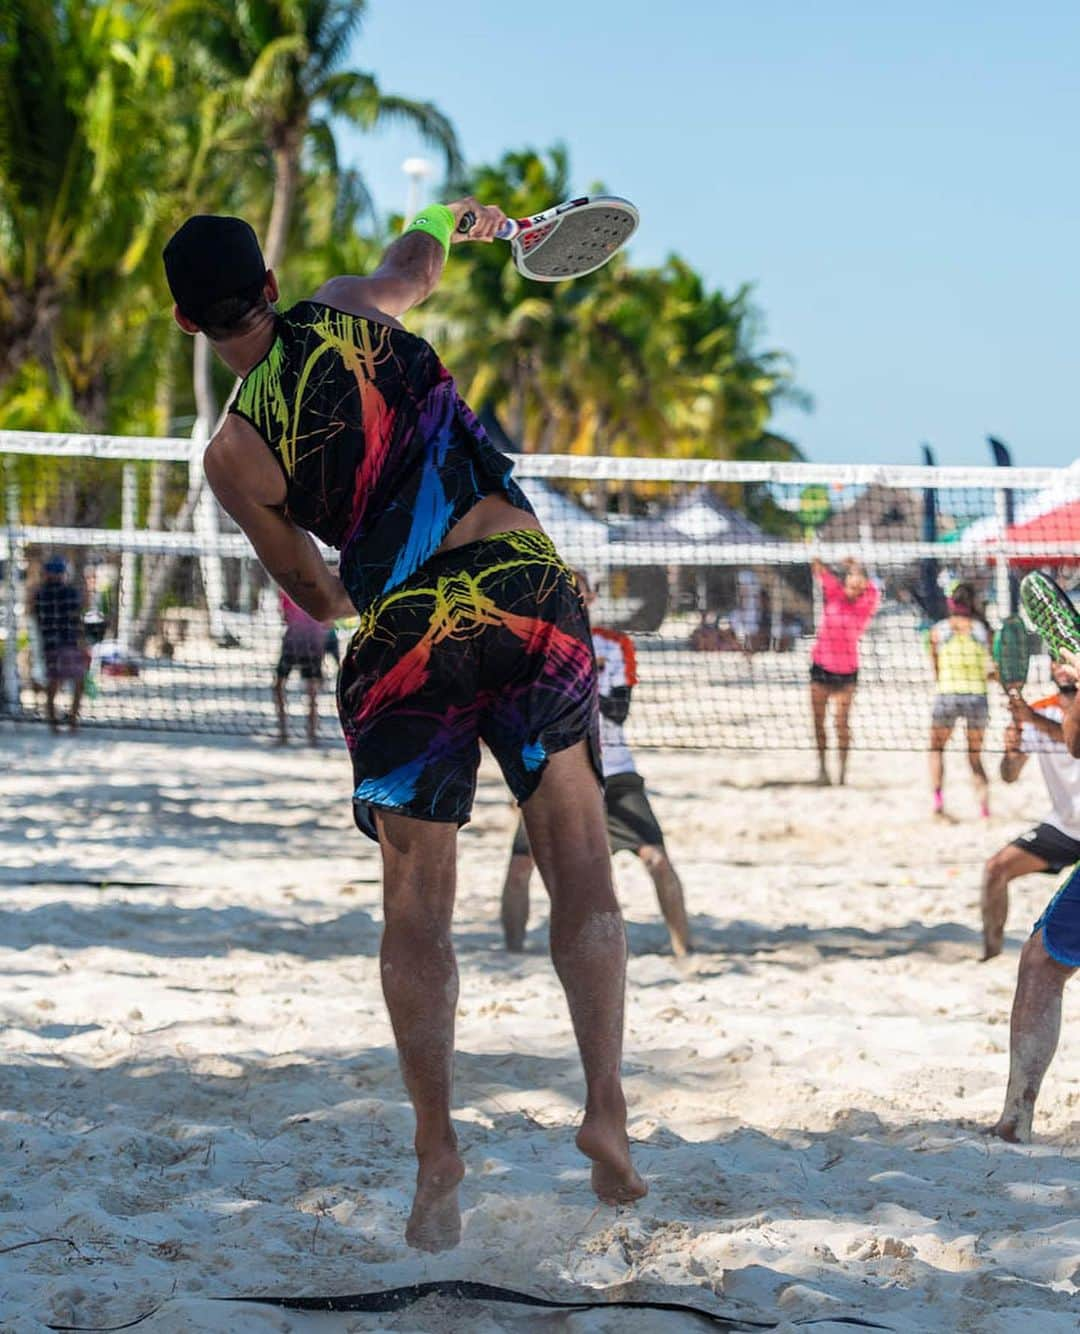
632 824
1054 842
1048 960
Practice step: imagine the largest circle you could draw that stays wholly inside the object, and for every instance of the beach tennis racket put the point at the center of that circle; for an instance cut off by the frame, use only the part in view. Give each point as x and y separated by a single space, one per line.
1050 610
1012 653
569 240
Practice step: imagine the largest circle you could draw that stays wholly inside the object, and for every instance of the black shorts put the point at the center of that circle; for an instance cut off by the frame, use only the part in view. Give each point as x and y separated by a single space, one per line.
631 823
69 662
1050 845
832 680
300 652
489 641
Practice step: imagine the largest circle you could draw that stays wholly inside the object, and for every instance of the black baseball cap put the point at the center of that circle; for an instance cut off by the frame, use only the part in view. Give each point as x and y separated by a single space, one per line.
209 259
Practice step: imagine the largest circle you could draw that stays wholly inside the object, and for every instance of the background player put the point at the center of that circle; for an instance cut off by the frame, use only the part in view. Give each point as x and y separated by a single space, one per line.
850 604
1049 958
1054 843
57 610
960 653
631 823
304 645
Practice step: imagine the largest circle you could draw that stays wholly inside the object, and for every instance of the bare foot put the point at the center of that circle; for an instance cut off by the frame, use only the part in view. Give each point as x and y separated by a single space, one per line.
823 779
435 1221
614 1178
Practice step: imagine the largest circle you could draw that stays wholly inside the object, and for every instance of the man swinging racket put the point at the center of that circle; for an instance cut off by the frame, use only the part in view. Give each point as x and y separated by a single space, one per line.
348 427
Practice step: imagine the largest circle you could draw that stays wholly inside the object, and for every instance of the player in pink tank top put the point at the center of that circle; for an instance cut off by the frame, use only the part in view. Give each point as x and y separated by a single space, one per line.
850 604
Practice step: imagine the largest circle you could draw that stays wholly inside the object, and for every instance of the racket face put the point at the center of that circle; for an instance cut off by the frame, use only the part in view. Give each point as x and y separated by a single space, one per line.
1012 651
1051 612
580 240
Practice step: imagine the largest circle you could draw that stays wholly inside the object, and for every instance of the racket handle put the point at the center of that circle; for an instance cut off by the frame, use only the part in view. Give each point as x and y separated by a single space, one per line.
506 232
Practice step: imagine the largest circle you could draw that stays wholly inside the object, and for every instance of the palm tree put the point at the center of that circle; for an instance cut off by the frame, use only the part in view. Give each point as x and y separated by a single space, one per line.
61 210
500 330
281 61
84 158
624 361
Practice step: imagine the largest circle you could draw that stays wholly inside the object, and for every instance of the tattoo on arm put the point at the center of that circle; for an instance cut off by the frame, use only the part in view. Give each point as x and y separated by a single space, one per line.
294 582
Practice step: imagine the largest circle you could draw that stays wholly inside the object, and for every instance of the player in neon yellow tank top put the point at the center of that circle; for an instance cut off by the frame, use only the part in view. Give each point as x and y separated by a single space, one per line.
960 652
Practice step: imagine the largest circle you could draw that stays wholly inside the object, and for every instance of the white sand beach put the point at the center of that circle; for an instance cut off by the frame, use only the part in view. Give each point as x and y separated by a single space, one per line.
199 1096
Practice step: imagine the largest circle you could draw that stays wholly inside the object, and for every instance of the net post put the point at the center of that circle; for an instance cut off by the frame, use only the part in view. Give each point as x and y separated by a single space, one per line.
14 555
125 612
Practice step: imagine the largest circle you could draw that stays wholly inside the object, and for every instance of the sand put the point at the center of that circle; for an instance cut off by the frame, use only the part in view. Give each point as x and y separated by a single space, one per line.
199 1096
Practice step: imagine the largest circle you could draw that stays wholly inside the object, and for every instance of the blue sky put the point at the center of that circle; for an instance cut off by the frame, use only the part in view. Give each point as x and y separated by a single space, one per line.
900 186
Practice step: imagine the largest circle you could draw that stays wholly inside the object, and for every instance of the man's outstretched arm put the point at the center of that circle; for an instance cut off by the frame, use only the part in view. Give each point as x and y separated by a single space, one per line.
410 268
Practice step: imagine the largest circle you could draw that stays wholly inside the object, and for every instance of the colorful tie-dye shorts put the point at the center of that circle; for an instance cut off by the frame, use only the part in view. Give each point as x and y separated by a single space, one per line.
487 642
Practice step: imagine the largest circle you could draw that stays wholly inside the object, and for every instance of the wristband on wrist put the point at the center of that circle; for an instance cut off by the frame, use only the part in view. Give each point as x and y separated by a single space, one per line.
437 221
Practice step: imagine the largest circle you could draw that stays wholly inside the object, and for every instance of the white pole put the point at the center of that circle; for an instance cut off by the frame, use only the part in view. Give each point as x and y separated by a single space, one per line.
1001 566
125 601
11 600
207 527
417 169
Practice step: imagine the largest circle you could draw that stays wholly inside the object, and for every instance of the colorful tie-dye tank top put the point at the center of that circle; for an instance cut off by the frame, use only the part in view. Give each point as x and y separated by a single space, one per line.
381 454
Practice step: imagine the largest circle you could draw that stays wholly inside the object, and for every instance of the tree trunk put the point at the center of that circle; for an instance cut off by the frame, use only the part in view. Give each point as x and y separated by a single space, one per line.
207 411
286 175
27 331
286 153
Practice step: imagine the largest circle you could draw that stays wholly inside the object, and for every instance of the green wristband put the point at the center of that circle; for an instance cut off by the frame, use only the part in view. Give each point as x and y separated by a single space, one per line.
437 221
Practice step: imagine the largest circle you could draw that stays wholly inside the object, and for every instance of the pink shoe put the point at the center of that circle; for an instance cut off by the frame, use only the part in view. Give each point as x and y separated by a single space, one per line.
984 810
939 802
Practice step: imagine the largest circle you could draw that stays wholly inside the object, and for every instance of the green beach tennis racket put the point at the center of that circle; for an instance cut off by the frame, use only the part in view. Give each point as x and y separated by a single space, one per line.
1012 653
1051 612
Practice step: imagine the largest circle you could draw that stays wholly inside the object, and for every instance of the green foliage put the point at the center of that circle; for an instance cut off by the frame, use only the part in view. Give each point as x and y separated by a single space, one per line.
118 118
624 361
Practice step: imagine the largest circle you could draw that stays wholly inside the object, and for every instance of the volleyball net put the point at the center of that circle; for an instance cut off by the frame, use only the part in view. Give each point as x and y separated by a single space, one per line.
721 574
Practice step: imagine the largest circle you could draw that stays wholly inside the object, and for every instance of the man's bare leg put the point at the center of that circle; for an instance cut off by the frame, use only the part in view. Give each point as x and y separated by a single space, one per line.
76 702
1008 864
819 702
1033 1036
312 712
515 900
50 705
568 835
278 691
420 984
669 893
